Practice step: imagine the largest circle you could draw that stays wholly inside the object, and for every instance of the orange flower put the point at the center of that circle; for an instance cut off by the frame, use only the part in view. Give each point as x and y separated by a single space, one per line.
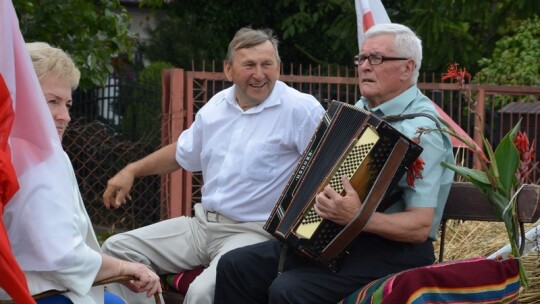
526 156
460 75
415 171
522 142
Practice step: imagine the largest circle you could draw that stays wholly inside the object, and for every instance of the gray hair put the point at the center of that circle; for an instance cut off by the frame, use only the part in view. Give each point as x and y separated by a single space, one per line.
247 37
51 61
407 43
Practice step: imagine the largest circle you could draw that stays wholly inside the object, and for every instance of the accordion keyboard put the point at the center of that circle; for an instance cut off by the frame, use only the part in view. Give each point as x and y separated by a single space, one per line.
356 162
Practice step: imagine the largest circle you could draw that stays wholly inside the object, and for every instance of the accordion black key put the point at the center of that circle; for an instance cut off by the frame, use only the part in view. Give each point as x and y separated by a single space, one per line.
348 141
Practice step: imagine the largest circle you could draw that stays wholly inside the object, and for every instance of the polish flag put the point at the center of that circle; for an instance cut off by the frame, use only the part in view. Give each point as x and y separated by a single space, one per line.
371 12
44 175
12 280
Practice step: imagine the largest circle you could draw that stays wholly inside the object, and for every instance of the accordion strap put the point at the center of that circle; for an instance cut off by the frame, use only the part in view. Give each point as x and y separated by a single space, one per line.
392 118
389 200
282 256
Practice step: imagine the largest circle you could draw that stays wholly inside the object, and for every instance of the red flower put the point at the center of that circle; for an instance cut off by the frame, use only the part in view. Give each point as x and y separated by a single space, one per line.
521 141
415 171
526 156
460 75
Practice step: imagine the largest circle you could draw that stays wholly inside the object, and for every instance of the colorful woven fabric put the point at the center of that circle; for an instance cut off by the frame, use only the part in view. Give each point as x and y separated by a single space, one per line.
477 280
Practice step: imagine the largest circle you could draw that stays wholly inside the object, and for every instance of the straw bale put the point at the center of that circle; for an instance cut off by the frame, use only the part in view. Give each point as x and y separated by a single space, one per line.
532 266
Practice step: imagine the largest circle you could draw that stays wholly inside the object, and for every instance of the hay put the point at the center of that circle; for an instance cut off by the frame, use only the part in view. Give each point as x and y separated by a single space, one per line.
467 239
532 266
472 239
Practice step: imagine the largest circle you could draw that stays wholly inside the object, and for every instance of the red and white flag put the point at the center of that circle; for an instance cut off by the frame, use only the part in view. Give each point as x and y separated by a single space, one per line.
12 280
371 12
44 175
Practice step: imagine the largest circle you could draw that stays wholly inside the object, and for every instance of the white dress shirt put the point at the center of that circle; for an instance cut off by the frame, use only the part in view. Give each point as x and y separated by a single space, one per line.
247 157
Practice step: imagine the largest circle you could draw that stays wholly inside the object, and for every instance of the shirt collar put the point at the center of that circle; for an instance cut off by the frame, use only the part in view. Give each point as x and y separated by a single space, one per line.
271 101
394 106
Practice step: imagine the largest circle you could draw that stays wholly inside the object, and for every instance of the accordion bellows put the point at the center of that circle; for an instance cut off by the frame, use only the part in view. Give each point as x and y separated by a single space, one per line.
348 141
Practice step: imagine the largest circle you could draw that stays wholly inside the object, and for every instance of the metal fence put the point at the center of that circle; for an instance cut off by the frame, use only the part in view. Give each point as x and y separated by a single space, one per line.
127 120
111 127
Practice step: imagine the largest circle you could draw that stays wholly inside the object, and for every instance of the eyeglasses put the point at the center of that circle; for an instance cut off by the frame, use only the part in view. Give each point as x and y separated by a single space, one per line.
375 59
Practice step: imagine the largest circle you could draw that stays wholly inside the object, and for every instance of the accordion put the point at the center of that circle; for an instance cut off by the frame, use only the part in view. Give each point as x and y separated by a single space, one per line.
348 141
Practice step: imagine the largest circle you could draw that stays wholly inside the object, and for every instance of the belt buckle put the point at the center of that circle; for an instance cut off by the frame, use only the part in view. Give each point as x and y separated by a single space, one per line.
212 216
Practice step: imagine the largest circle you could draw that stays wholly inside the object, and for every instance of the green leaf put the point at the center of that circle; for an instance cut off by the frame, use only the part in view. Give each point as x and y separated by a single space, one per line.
500 203
507 157
477 177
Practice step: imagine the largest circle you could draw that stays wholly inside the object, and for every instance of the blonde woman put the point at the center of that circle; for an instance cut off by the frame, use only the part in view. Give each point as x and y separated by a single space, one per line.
54 242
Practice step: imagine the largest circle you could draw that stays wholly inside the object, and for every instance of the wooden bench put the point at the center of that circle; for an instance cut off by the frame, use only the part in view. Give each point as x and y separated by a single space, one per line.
466 202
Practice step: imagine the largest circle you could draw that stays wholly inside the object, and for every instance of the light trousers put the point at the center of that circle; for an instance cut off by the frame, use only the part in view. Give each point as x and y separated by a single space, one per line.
181 244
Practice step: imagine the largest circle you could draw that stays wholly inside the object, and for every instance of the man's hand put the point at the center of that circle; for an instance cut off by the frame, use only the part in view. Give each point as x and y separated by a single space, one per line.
118 188
332 206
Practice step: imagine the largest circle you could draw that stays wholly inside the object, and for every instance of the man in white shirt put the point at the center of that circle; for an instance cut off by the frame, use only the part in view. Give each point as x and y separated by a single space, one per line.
246 141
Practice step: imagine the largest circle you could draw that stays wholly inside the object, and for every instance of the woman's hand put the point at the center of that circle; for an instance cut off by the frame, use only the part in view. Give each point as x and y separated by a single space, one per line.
146 280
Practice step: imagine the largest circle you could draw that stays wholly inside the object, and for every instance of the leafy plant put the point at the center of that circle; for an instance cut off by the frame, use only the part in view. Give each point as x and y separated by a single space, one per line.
92 32
515 58
502 171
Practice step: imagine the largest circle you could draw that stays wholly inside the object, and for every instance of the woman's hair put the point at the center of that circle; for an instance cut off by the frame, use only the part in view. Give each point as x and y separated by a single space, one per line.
407 43
247 37
50 61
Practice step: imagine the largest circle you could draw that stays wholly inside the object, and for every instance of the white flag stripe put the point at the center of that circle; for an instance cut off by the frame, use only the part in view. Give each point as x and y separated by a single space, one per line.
375 11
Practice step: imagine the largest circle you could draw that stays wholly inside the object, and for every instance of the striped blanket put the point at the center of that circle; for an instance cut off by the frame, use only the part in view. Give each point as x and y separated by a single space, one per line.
476 280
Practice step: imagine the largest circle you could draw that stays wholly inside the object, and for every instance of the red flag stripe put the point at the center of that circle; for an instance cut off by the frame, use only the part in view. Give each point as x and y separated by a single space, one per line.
12 279
8 178
6 110
367 20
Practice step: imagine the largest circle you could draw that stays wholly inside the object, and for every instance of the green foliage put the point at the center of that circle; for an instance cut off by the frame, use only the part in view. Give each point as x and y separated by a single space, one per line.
196 31
141 105
498 182
445 34
92 32
515 59
324 31
459 30
311 31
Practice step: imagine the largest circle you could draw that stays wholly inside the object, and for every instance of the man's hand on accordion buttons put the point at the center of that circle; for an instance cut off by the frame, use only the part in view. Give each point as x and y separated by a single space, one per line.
332 206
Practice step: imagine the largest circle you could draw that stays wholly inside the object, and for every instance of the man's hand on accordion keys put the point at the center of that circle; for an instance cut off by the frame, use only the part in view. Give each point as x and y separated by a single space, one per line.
332 206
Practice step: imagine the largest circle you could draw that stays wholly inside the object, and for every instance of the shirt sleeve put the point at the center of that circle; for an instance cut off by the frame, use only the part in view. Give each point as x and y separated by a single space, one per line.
52 235
80 277
188 147
425 192
309 125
